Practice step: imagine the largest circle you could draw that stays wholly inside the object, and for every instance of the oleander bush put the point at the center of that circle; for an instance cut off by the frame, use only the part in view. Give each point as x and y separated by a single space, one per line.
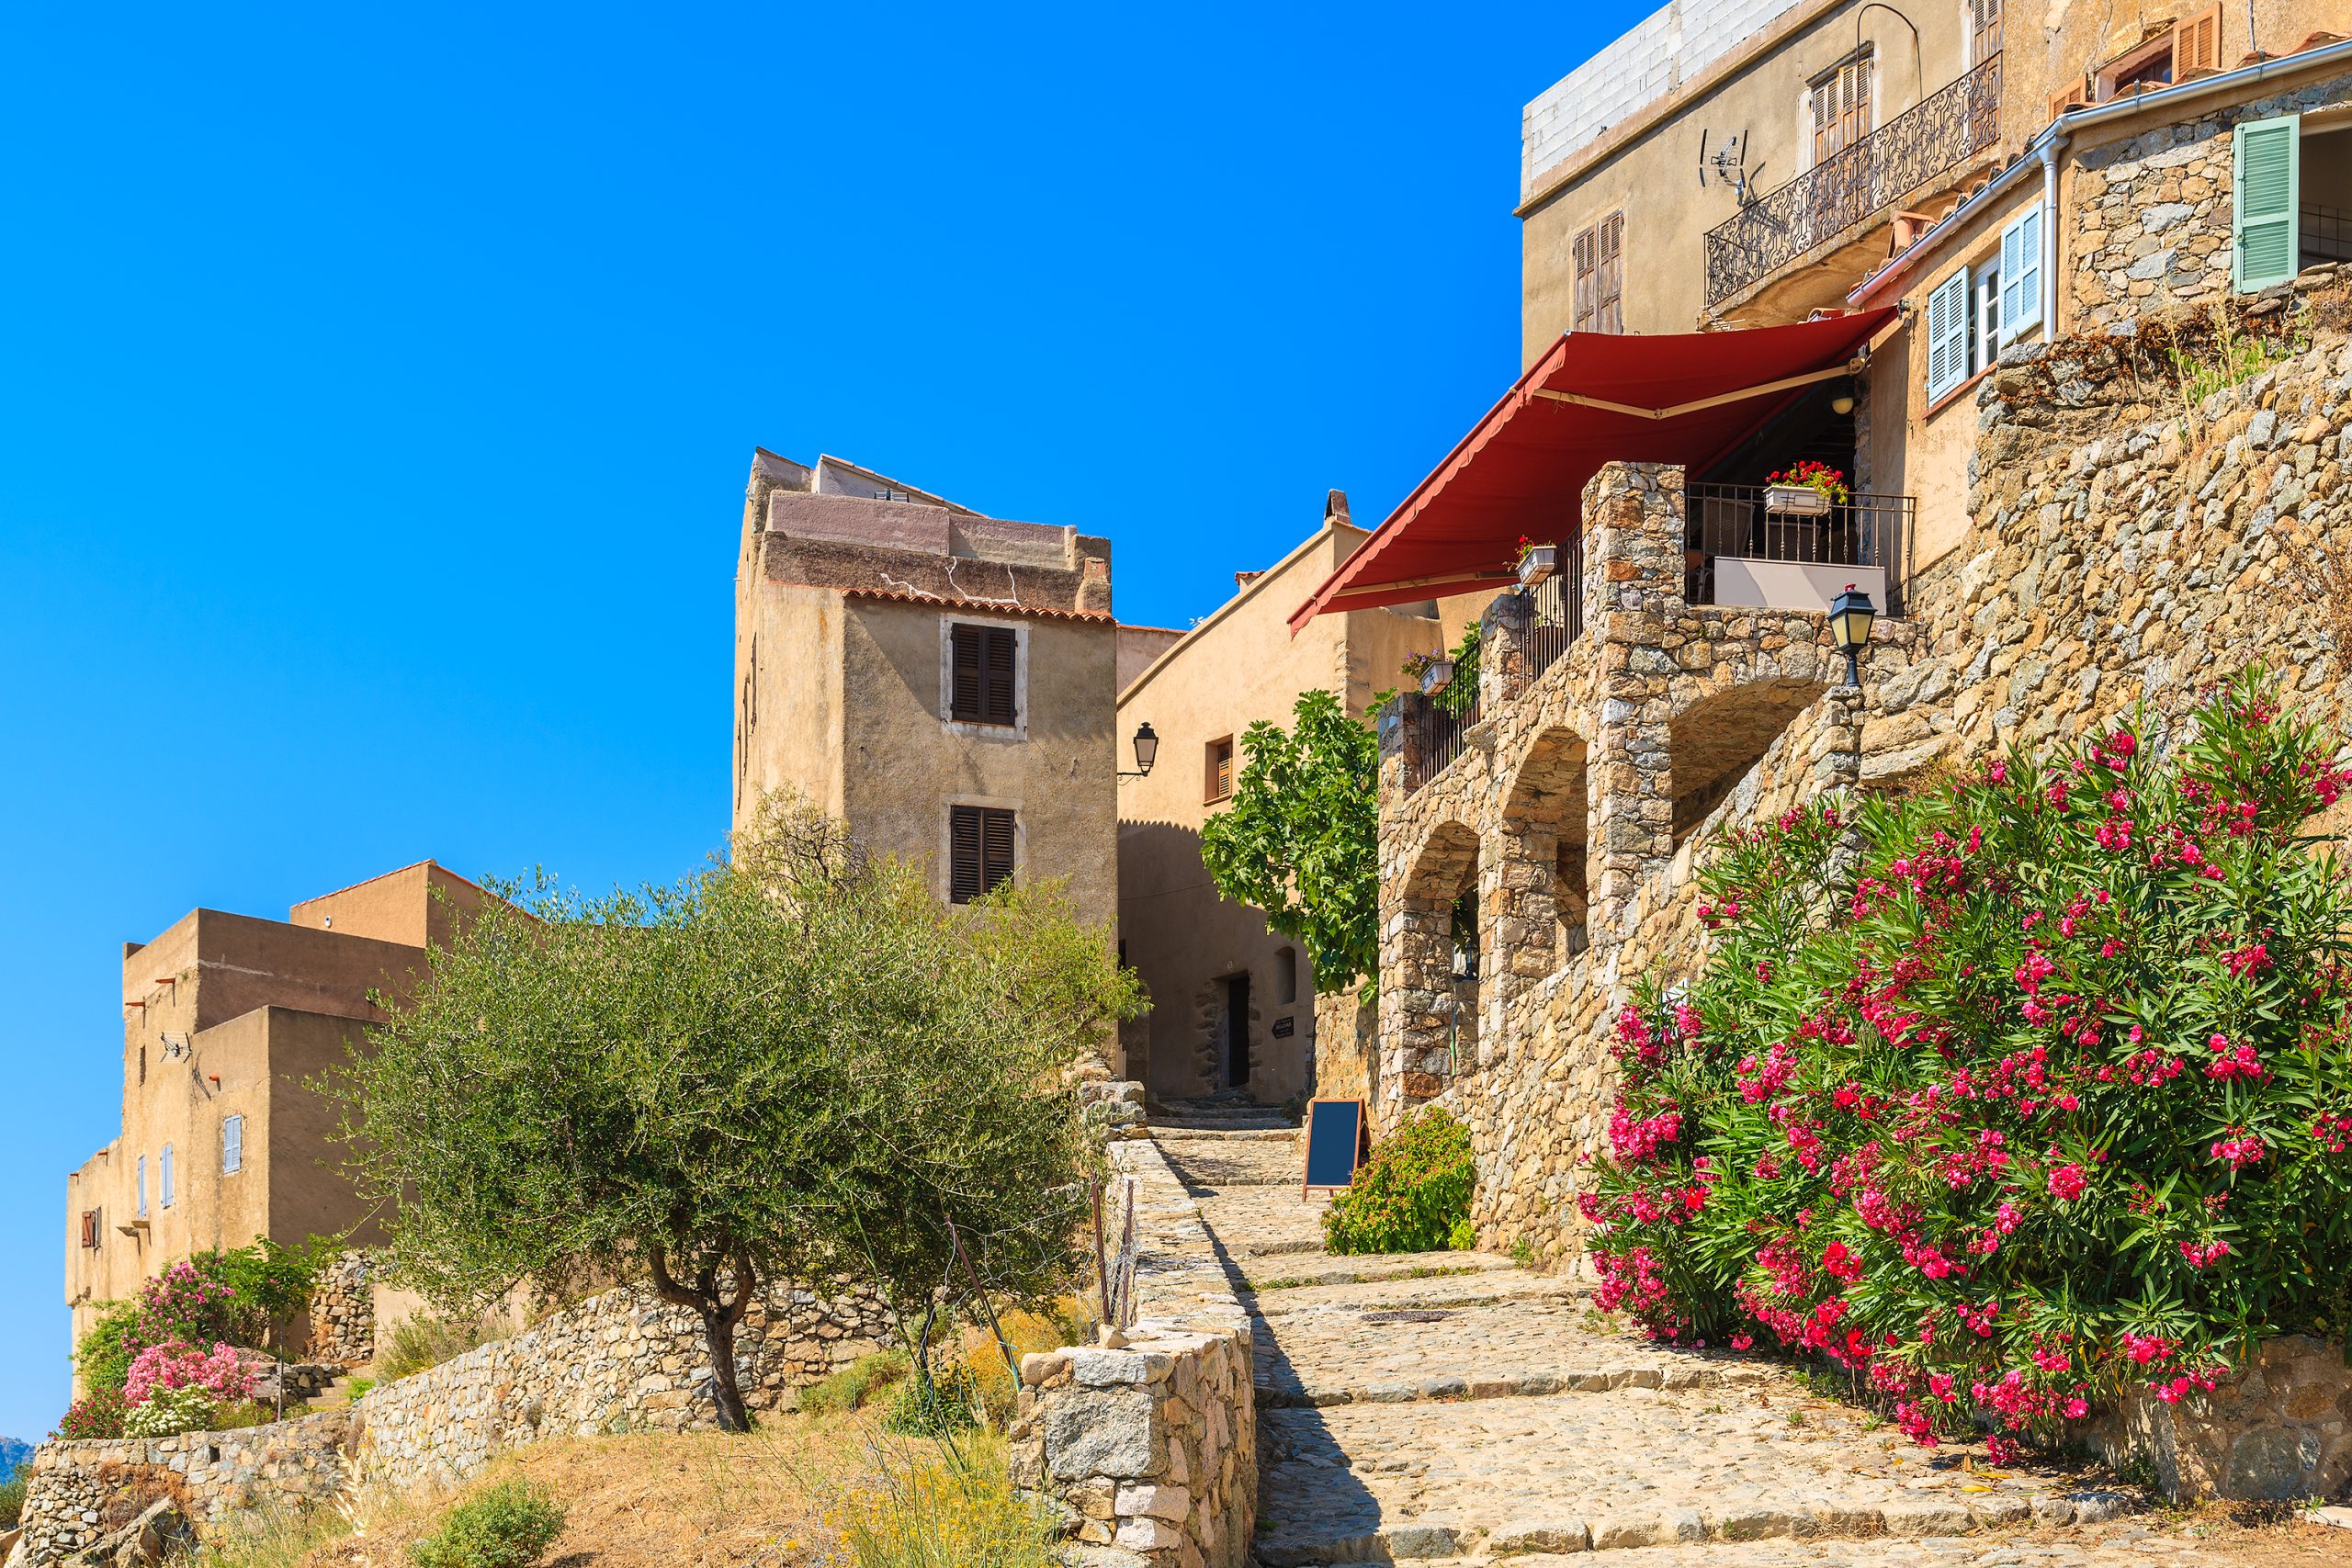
508 1525
97 1413
2016 1093
186 1408
1412 1195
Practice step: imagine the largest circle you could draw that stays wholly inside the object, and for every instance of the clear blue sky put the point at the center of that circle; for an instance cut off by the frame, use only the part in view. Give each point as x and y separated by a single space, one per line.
379 387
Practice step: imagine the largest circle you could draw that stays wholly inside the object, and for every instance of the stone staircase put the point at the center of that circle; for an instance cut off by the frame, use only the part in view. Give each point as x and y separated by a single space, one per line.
1456 1407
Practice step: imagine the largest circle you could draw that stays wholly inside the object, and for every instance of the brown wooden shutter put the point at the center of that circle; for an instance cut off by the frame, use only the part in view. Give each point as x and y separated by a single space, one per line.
89 1227
963 853
1984 17
999 647
996 847
1608 306
964 673
1586 254
1825 120
2196 43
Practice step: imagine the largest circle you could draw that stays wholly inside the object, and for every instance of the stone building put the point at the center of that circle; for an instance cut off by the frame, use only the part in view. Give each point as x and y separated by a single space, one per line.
944 681
1233 1002
226 1021
2099 540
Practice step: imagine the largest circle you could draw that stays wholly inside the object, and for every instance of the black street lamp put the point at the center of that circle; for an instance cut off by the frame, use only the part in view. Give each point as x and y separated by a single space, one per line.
1147 751
1850 616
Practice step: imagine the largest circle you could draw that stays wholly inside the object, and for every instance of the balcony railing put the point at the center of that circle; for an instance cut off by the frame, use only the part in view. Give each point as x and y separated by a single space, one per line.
1869 536
1851 185
1554 610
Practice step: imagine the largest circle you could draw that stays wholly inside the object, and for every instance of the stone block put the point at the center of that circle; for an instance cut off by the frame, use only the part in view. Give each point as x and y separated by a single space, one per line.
1111 1433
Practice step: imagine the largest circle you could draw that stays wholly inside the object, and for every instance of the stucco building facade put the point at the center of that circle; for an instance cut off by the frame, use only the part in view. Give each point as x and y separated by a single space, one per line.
227 1021
944 681
1233 1002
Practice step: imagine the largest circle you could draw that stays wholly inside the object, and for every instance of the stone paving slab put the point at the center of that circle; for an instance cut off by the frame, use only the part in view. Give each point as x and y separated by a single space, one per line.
1264 1219
1526 1345
1281 1272
1627 1467
2099 1549
1439 1292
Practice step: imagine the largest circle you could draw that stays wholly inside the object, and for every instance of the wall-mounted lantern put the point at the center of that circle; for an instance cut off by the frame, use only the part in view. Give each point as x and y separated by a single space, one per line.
1147 751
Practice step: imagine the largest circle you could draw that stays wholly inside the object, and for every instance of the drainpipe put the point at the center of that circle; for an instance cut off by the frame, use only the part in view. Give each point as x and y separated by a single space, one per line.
2051 144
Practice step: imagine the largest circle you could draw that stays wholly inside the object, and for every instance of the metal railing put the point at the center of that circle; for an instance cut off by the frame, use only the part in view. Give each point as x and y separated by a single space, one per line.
1554 610
1437 731
1851 185
1730 520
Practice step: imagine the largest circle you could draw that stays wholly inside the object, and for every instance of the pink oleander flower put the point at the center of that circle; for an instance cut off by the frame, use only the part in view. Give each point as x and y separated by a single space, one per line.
223 1373
2067 1183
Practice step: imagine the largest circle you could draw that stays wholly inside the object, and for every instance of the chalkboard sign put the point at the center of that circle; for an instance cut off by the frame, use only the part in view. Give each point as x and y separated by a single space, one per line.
1337 1142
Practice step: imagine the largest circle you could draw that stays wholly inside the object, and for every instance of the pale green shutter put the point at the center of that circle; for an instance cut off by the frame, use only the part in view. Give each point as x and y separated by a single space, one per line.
1948 335
2267 179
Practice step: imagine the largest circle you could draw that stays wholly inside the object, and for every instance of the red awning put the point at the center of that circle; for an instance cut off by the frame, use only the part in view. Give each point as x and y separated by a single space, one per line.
1594 398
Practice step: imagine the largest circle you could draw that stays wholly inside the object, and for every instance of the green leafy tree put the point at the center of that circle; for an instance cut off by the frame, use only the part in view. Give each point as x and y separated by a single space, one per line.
1298 839
795 1065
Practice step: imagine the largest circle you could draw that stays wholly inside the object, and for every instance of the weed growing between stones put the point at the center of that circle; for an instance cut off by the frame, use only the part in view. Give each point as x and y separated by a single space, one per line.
2014 1094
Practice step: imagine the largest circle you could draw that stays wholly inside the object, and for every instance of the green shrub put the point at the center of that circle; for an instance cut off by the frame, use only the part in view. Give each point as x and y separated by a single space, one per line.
12 1500
854 1385
505 1526
97 1413
1413 1195
104 1355
941 1408
957 1510
428 1339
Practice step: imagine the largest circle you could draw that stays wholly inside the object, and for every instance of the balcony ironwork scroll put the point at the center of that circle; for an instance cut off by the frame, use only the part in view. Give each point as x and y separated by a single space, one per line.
1851 187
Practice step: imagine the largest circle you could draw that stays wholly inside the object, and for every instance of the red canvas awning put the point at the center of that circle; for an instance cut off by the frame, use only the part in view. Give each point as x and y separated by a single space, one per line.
1594 398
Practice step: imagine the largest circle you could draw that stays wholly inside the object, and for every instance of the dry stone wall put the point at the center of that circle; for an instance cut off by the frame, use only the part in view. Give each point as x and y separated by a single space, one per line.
79 1492
1148 1442
625 1360
342 1310
2282 1431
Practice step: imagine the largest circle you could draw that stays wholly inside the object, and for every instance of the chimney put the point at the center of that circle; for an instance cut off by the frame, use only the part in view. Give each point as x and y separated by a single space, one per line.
1094 585
1335 507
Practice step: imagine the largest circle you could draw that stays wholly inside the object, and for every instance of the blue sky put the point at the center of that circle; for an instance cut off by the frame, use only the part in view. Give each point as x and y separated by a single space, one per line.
381 387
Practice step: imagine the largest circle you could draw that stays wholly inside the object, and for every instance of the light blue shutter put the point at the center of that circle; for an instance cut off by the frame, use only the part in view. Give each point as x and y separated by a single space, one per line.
1948 335
142 1187
2021 273
165 1179
232 1145
2266 240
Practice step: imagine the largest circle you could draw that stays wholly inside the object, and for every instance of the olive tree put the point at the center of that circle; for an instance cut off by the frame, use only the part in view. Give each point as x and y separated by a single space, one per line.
794 1064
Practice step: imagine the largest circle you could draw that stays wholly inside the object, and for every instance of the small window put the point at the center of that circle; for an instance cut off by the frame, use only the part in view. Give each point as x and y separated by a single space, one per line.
232 1145
979 851
164 1177
1285 976
1218 782
1839 102
141 1188
90 1228
981 674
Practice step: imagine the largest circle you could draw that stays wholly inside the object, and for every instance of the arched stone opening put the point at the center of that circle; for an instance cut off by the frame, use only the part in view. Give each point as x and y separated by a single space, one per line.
1439 961
1542 884
1716 739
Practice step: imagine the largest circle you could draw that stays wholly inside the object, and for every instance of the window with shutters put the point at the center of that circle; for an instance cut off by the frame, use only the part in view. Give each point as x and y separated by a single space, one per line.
2266 212
1984 17
2021 273
1839 106
979 851
232 1145
1599 303
90 1228
1963 328
163 1180
983 673
1218 780
2190 48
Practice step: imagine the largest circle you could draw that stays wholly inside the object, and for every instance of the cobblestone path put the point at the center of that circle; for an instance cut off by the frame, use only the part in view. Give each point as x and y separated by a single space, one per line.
1452 1405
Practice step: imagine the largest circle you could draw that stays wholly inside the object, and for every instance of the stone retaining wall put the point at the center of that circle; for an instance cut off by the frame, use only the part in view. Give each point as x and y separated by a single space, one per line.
80 1492
625 1360
2282 1431
1149 1441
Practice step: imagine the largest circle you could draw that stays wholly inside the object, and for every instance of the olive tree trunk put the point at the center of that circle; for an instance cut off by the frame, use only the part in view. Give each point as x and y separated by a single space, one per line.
719 1313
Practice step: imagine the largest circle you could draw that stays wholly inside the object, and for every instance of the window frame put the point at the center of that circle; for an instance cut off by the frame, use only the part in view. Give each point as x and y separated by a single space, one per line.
1976 334
983 815
1220 753
1016 725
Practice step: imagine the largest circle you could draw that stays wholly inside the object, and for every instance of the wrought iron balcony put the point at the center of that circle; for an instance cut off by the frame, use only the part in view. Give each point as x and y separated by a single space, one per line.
1853 186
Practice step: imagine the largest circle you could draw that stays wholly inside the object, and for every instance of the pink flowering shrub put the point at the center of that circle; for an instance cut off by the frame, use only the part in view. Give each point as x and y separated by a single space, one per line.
2044 1092
223 1373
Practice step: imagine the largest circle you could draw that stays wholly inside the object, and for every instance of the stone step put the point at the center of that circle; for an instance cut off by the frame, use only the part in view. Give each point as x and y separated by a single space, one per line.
1319 1268
1626 1467
1189 1128
2111 1546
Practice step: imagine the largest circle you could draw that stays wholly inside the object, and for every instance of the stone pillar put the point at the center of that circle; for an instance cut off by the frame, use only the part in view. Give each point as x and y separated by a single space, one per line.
1502 653
1633 544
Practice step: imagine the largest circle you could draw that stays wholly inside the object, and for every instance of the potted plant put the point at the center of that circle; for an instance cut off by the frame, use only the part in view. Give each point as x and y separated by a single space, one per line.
1536 562
1806 489
1433 670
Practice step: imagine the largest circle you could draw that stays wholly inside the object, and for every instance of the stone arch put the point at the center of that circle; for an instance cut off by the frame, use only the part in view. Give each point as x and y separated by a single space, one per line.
1540 875
1716 737
1427 946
